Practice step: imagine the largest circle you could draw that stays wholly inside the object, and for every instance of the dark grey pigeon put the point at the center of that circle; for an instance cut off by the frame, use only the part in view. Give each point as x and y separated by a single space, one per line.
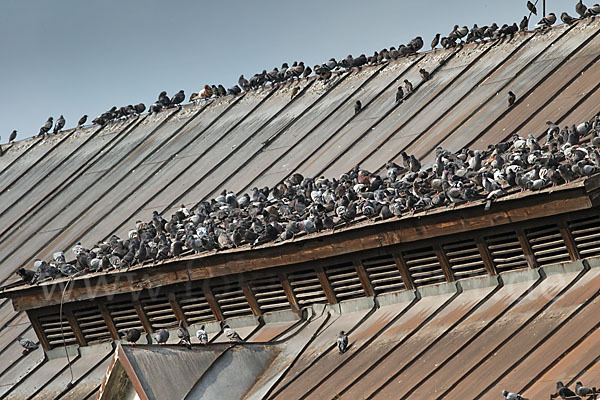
13 136
524 24
531 7
511 98
60 123
581 9
435 41
178 98
342 342
133 335
567 19
140 108
162 336
82 121
357 107
243 82
564 392
163 99
399 94
46 127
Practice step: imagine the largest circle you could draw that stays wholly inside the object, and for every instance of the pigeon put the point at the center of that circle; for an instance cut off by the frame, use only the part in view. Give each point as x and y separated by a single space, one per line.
531 7
424 74
26 274
140 108
435 41
163 99
357 107
564 392
511 98
584 390
13 136
46 127
82 121
184 335
547 21
512 396
408 86
581 9
524 24
342 342
231 334
202 335
567 19
161 336
243 82
60 123
294 92
178 98
399 94
133 335
27 344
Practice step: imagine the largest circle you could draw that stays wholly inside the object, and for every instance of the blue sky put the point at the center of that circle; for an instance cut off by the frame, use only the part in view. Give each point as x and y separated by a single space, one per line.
76 57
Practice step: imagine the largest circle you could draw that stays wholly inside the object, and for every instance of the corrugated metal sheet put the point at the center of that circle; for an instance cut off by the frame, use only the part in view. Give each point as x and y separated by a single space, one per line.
90 183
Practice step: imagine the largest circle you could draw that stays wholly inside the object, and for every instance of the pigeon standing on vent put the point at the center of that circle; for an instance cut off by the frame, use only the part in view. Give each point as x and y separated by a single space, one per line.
511 98
584 390
133 335
184 336
564 392
27 345
531 7
342 342
46 127
231 334
357 107
202 335
512 396
161 336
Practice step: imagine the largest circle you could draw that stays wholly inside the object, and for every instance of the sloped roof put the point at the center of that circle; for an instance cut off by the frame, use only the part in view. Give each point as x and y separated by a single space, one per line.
84 185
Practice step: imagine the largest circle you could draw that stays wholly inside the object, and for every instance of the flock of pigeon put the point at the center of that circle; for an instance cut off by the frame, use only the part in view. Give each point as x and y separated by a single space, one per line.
302 205
562 391
324 71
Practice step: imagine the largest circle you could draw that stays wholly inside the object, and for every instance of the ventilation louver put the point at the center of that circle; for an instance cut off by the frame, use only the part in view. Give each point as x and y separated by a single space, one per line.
124 316
383 274
92 324
423 266
159 312
194 305
306 287
586 233
464 258
51 327
269 294
506 252
344 281
547 245
230 298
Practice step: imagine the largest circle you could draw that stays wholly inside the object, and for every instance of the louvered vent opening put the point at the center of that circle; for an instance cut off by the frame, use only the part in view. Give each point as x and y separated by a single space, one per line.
464 258
586 233
269 294
547 245
124 316
231 299
506 252
423 266
307 287
159 312
383 274
92 324
51 328
344 281
194 306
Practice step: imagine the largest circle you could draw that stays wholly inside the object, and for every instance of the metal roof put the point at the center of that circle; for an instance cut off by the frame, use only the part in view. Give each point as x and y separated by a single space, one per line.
84 185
